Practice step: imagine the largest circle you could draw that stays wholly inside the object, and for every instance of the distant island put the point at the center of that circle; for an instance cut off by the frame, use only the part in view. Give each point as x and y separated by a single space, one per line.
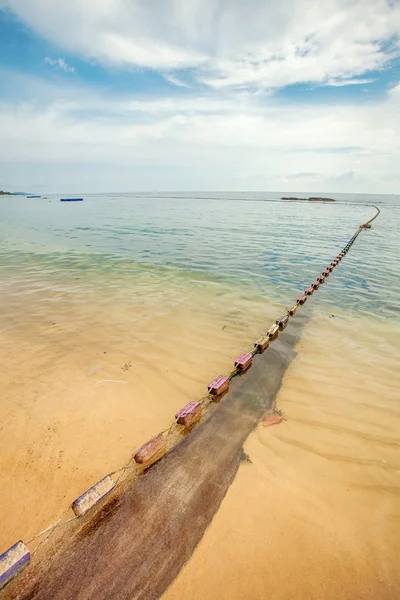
3 193
311 199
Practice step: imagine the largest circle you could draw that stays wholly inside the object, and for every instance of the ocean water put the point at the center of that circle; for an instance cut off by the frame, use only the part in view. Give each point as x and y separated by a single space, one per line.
251 242
116 311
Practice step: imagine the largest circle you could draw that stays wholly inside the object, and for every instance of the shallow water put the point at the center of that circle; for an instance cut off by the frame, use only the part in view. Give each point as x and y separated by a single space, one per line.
116 311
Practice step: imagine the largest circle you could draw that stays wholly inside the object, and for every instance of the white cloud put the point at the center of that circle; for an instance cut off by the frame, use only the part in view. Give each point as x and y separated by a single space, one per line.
60 63
229 43
208 142
176 81
229 135
343 82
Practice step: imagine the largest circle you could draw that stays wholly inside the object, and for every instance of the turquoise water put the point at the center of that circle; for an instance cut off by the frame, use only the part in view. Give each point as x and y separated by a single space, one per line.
252 241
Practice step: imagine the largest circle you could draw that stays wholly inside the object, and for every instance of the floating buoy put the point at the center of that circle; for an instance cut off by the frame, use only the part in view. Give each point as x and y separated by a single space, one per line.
309 291
12 562
282 322
151 451
321 279
89 498
301 299
292 310
315 284
326 272
244 361
262 343
188 414
219 385
273 331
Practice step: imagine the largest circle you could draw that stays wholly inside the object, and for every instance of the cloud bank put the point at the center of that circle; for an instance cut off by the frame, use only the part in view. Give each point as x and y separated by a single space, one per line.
208 143
219 120
229 43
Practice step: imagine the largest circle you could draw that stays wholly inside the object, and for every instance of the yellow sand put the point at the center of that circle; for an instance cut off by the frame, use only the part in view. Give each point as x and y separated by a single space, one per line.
71 412
316 514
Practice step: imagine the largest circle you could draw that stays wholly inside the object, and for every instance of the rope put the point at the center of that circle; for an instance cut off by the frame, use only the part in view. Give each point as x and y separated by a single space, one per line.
367 224
204 401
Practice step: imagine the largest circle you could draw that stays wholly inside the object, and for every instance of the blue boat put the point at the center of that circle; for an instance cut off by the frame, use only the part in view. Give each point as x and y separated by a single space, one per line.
34 196
71 199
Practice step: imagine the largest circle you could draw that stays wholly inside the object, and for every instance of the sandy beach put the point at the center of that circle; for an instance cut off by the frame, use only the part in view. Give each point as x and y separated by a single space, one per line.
99 352
315 511
83 386
199 300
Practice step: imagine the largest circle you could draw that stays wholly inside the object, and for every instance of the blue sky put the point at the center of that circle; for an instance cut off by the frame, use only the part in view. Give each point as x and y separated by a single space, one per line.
132 95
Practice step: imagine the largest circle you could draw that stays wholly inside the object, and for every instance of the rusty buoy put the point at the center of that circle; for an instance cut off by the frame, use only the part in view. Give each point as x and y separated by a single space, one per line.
152 451
292 310
309 291
219 385
273 331
262 343
188 414
315 284
244 361
282 322
301 299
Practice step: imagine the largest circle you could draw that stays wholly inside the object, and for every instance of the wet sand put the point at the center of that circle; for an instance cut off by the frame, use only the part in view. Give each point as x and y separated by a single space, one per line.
71 412
136 543
315 514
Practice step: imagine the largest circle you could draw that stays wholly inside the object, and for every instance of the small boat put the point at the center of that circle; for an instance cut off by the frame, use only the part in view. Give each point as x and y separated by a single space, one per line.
71 199
34 196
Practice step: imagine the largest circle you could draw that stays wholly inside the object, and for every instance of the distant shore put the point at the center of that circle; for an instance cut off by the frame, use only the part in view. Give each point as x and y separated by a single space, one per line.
311 199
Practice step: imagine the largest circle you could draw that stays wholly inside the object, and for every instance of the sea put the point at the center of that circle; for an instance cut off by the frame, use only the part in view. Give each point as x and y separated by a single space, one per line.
116 311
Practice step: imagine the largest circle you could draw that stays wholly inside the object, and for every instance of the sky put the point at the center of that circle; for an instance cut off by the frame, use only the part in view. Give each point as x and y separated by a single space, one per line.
156 95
